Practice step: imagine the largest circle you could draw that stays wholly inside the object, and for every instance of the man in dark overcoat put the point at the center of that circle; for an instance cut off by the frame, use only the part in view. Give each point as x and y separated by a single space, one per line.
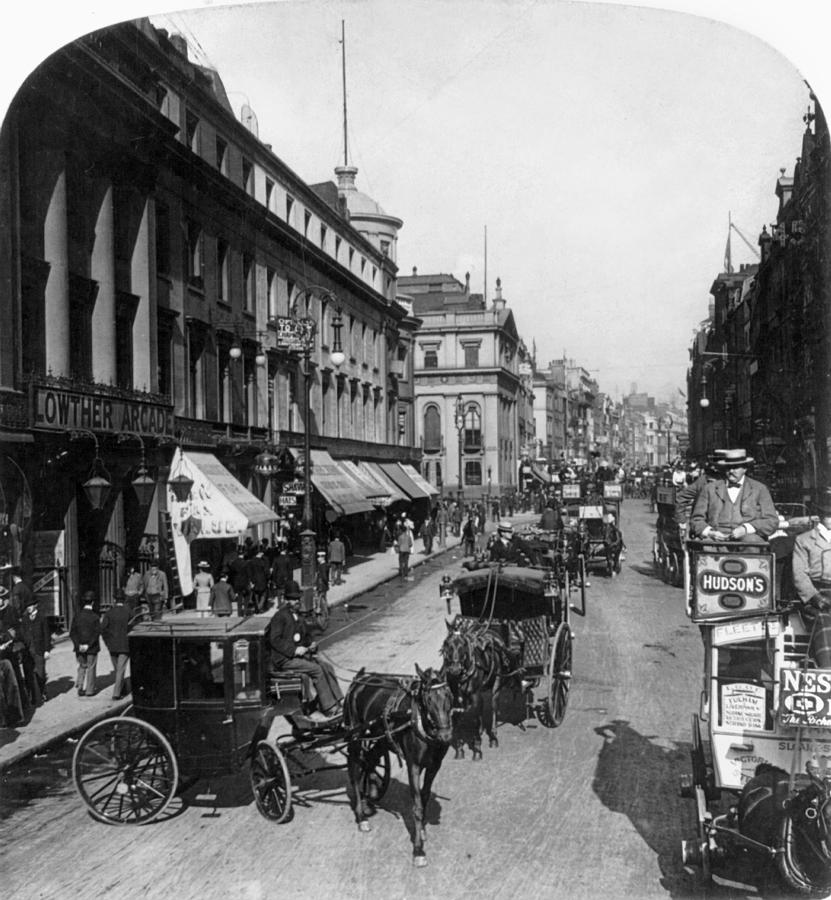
291 651
36 636
257 569
85 633
115 626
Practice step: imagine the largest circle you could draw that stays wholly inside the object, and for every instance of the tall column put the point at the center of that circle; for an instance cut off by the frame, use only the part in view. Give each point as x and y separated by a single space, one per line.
144 286
102 270
56 293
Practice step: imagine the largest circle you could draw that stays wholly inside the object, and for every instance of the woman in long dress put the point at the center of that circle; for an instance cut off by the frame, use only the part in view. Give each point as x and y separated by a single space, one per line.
203 581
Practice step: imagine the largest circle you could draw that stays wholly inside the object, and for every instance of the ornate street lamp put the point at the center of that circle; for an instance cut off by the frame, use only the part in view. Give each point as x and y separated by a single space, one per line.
143 484
98 485
179 480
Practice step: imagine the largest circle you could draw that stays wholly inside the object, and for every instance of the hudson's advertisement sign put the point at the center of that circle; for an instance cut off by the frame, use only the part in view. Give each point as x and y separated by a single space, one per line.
731 586
64 410
805 698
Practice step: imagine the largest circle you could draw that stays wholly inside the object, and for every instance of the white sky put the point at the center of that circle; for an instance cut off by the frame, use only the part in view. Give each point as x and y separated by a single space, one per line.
601 144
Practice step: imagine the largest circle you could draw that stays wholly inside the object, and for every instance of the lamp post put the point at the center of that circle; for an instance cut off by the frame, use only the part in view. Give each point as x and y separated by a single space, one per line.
460 427
297 334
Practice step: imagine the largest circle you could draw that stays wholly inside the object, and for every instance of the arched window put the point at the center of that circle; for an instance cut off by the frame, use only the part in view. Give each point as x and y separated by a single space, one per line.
473 429
432 430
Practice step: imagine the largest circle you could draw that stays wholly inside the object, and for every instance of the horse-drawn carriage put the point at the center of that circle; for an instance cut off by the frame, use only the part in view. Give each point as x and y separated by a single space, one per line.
513 625
595 518
667 544
204 702
762 736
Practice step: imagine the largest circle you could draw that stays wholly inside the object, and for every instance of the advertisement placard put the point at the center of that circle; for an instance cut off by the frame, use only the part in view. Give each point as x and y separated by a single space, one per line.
805 698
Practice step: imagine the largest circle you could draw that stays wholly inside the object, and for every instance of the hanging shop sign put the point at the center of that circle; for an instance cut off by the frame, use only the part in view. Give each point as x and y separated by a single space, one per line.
63 410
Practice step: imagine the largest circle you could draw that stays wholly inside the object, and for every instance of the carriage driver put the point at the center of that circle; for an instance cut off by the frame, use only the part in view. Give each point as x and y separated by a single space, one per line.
291 651
811 563
734 507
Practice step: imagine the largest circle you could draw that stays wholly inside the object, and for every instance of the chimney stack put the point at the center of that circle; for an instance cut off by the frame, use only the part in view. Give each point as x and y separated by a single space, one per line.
179 44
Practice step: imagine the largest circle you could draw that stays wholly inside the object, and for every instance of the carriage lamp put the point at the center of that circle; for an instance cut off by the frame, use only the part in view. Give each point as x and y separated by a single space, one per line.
446 590
143 484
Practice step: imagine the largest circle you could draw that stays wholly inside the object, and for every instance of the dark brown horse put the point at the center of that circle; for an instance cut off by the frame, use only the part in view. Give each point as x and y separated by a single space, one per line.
612 547
411 716
475 663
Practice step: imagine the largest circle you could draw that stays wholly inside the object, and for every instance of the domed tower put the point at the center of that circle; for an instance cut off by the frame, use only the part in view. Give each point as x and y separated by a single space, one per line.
367 216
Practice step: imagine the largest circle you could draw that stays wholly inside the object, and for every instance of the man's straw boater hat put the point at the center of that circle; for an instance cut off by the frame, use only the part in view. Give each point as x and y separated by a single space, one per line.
728 459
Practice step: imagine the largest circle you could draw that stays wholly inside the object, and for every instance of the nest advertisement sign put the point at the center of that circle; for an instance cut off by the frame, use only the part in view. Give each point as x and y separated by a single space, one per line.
805 698
729 585
63 410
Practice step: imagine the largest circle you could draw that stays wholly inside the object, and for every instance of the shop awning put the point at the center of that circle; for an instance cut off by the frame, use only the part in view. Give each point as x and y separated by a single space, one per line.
419 480
218 506
540 474
337 485
374 471
399 477
377 494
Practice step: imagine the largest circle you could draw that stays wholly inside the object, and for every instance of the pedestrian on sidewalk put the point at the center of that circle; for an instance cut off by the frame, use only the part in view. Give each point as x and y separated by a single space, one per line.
155 590
36 636
203 581
223 596
427 534
337 558
257 569
469 537
441 524
282 571
114 628
12 688
85 633
133 588
404 542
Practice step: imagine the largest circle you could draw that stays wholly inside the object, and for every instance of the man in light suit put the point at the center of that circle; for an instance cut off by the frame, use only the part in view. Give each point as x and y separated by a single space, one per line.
811 566
734 507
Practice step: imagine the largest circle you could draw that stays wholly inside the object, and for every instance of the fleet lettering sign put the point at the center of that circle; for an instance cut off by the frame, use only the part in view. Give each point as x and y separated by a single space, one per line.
64 410
731 586
805 698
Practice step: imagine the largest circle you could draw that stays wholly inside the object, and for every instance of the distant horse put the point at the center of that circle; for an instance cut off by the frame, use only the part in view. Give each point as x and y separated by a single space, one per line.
797 826
475 664
612 547
412 716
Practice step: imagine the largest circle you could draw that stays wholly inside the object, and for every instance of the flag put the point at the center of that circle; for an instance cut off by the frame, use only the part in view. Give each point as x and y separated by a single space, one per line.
728 261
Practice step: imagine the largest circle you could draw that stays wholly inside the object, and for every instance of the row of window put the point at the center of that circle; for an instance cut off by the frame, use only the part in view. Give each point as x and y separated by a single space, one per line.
195 136
431 357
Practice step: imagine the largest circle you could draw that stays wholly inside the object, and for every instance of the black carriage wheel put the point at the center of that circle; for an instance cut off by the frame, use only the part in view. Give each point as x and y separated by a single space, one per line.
271 782
375 770
799 867
125 771
322 614
559 676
